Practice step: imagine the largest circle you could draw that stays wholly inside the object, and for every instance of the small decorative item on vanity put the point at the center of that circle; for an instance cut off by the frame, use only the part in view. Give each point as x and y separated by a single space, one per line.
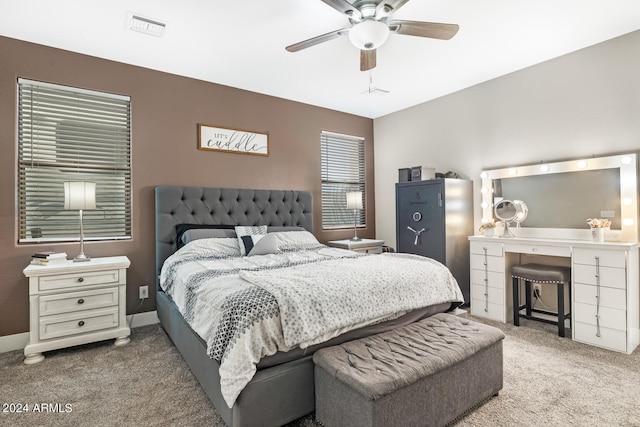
488 228
598 225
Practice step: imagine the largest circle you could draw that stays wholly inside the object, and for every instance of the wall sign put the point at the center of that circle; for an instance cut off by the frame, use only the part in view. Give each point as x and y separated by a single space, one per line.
232 140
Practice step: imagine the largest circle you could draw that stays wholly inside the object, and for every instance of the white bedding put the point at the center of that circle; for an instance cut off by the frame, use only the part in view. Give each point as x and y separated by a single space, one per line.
246 308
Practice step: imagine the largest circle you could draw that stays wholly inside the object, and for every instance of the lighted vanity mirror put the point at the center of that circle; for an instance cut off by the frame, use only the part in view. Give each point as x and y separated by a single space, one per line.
561 196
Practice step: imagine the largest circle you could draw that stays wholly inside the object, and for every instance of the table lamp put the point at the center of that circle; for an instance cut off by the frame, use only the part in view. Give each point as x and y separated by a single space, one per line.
80 196
354 201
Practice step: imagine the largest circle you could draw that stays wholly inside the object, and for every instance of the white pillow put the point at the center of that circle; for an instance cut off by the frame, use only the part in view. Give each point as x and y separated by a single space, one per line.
248 236
266 245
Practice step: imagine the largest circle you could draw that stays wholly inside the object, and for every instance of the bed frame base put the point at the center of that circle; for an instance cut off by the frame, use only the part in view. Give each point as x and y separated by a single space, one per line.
275 396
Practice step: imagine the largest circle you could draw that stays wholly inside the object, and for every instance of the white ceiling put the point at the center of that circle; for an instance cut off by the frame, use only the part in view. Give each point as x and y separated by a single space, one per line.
241 43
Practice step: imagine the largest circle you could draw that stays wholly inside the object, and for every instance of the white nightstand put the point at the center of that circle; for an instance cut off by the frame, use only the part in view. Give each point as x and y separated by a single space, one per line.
367 246
74 303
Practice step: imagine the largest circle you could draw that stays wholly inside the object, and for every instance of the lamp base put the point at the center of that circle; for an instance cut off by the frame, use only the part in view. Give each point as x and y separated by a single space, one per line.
81 258
355 239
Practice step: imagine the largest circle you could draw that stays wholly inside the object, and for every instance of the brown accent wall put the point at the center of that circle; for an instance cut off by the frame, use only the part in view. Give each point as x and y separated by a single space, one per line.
166 110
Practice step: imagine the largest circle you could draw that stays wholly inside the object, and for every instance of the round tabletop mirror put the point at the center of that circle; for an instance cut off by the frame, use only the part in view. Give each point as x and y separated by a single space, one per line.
505 211
508 211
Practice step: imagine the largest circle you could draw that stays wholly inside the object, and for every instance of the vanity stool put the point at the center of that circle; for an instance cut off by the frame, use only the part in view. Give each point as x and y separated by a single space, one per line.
543 274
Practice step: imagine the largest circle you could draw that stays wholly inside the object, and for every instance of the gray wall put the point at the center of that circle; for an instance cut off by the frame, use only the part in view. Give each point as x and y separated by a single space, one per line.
582 104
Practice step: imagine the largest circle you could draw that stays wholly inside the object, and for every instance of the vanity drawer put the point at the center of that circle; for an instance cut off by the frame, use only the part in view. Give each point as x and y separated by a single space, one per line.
493 248
610 277
494 263
496 280
78 301
609 297
78 323
88 278
607 258
563 251
609 338
494 295
609 317
494 311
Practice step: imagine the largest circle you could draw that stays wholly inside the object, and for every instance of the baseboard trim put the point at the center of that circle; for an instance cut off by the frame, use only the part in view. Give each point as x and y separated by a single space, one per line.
13 342
19 341
143 319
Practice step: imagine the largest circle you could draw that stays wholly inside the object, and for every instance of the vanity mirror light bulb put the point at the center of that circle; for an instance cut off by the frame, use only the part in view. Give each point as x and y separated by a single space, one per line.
483 190
483 175
484 205
582 164
485 220
513 172
627 160
544 168
628 221
627 201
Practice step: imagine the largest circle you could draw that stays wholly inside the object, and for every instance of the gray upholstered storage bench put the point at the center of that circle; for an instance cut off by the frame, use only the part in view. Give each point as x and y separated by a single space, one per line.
425 374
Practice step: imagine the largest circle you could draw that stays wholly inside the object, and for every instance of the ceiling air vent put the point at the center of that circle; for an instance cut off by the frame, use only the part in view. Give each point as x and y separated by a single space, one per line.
145 25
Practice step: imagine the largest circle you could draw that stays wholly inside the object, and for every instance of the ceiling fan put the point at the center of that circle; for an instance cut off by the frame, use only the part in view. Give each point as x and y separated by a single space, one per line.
371 22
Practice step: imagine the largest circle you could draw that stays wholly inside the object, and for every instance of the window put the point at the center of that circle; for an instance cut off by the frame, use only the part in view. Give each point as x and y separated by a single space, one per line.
342 172
69 134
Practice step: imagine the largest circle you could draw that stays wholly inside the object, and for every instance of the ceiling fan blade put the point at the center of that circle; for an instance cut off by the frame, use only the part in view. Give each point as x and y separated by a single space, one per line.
367 59
386 7
317 40
432 30
344 7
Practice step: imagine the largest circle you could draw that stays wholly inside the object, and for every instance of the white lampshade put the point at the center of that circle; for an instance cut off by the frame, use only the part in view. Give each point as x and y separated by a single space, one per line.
354 200
369 34
79 195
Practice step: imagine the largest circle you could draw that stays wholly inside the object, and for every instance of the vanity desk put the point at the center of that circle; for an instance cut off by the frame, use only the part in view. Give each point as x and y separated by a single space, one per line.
605 296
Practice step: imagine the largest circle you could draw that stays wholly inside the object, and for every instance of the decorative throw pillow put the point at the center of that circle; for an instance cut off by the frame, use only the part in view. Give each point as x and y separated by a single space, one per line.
265 246
248 236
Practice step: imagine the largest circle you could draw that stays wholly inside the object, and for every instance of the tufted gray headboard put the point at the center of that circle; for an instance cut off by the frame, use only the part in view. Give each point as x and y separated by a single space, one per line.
225 206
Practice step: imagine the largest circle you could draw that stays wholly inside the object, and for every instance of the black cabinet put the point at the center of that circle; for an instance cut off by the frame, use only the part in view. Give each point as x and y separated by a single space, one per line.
434 218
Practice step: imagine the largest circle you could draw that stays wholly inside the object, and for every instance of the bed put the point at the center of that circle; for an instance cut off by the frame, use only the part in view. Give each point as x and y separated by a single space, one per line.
282 388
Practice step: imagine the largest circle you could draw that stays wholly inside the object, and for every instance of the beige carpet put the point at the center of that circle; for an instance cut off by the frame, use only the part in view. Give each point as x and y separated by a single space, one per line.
548 381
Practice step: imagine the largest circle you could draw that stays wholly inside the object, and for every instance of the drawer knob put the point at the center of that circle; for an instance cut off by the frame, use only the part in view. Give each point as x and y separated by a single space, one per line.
81 323
80 279
80 301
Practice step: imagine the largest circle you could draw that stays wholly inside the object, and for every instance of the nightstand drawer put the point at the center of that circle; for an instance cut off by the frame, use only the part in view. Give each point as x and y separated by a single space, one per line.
78 323
78 301
63 281
369 250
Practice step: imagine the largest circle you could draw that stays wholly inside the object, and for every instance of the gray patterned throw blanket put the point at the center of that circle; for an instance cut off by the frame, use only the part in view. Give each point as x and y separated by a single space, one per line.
248 307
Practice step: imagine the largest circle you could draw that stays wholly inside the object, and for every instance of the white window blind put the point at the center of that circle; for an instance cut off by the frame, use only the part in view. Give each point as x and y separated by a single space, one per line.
69 134
342 171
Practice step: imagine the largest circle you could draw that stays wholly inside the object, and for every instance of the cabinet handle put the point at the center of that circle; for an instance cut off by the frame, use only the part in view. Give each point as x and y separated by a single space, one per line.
80 301
80 279
81 323
486 281
598 296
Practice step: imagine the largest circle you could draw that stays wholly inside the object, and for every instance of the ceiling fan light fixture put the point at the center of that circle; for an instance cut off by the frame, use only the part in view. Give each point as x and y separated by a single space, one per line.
369 34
